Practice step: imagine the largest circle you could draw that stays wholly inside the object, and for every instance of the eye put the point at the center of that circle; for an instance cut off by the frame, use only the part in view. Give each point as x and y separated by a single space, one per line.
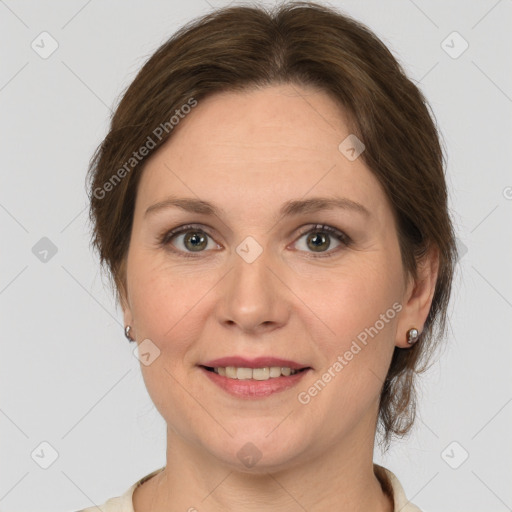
194 239
319 239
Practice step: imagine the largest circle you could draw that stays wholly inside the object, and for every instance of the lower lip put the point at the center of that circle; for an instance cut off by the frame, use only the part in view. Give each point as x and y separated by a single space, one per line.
251 388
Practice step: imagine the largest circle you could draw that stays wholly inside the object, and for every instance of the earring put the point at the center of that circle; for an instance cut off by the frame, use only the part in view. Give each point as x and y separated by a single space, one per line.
412 336
127 330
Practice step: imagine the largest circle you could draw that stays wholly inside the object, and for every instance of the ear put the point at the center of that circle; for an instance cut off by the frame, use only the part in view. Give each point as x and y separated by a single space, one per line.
122 293
127 312
418 297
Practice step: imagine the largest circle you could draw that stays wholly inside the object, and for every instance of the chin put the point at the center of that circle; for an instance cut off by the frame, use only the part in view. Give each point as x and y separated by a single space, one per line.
257 451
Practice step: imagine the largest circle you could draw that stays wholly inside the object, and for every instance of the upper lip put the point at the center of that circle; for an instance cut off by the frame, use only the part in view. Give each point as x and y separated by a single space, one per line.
258 362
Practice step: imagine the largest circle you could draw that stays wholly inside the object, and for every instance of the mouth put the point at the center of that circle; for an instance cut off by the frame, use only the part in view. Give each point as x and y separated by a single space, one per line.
254 379
259 374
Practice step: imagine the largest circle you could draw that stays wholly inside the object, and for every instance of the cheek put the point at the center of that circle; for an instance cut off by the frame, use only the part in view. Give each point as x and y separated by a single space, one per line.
351 299
361 311
170 308
161 295
164 305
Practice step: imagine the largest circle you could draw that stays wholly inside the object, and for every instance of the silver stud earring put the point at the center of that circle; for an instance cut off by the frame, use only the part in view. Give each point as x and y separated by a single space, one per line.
412 336
127 330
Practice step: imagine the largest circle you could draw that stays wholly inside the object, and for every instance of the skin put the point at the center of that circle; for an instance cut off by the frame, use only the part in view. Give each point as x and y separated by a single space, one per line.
248 153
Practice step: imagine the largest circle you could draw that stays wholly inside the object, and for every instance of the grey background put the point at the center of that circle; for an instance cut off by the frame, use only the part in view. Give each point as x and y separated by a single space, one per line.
68 376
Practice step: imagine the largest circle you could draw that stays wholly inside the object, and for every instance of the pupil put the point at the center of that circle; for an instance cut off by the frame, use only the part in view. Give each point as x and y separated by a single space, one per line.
196 238
322 239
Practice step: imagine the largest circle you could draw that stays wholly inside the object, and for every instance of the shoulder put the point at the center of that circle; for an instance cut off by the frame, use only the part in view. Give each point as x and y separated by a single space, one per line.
392 485
124 502
121 503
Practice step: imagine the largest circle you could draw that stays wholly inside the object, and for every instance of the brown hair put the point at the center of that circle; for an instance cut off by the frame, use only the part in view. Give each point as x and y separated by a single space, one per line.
301 43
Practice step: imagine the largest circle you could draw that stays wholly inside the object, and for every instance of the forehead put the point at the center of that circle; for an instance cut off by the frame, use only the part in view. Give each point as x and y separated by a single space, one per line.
279 119
260 147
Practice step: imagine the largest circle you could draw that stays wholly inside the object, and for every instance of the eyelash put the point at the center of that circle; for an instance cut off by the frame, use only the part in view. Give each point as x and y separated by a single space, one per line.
166 237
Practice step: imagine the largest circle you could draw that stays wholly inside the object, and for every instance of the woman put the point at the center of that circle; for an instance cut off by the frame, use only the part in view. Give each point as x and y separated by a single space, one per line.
271 205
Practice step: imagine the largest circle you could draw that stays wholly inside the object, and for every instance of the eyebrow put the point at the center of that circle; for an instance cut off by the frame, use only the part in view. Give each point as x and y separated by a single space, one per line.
289 208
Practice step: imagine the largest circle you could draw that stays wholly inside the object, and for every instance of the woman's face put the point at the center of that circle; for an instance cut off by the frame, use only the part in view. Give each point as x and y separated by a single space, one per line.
251 283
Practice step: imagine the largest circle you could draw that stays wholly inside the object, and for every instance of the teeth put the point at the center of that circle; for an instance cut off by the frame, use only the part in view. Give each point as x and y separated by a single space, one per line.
231 372
243 373
275 371
260 373
266 373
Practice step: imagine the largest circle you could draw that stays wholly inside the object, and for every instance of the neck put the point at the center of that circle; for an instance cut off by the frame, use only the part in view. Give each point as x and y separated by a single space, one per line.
342 478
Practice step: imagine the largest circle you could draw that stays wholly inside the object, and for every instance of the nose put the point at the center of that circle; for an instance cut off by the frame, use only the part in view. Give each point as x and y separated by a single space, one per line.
253 297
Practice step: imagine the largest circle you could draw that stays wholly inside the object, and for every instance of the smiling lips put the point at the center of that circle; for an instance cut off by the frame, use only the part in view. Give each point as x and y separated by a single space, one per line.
261 368
265 373
254 378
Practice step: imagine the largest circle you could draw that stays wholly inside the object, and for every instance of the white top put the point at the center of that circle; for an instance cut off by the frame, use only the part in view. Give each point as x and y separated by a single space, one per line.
124 502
